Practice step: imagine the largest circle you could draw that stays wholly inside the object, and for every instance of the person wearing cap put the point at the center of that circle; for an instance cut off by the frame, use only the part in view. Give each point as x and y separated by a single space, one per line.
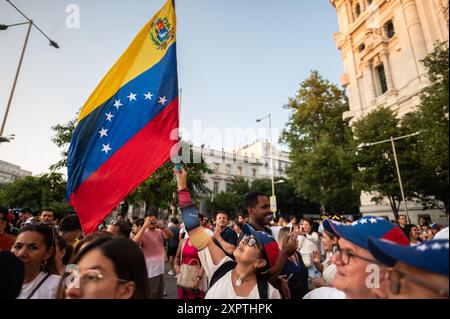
353 257
418 272
244 278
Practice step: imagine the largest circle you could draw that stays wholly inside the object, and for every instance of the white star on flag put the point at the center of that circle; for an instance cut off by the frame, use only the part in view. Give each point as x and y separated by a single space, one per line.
132 97
446 245
109 116
162 100
106 148
373 220
436 246
103 132
148 96
422 248
117 104
363 221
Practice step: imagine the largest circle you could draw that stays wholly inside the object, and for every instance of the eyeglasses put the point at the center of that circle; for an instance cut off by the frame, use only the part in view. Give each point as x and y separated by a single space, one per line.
249 240
89 280
395 277
345 254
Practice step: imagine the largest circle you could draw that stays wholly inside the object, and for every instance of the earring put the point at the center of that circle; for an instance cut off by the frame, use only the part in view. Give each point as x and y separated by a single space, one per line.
44 264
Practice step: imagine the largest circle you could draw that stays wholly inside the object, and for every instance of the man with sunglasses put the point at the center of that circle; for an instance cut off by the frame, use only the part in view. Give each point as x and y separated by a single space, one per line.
418 272
358 272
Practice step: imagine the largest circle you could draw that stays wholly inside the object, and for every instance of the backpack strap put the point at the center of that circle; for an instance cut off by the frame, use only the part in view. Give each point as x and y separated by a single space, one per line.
221 271
263 288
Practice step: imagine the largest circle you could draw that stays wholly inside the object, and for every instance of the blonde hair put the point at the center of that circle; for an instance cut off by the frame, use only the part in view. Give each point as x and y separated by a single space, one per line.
282 234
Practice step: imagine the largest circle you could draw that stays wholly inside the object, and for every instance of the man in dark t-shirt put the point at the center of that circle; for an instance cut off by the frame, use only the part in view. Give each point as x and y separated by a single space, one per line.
172 244
224 236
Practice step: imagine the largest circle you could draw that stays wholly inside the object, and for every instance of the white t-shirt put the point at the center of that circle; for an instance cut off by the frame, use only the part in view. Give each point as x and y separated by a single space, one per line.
442 234
329 269
46 291
275 231
325 293
223 288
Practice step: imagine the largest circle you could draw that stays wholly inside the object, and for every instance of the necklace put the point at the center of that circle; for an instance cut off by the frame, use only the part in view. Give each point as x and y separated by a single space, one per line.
239 281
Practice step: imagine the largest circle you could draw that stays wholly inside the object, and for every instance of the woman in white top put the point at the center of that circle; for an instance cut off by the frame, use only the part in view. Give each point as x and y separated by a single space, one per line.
245 278
326 267
35 246
308 243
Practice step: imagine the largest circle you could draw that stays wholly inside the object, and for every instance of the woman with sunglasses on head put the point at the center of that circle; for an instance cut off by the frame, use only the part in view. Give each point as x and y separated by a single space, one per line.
245 278
326 267
107 268
35 246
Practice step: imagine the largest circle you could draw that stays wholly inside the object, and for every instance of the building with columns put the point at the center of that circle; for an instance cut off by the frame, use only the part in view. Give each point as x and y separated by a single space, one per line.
382 43
250 162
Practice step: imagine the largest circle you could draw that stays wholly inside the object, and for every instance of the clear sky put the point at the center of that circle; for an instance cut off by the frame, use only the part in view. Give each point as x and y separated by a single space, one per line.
238 60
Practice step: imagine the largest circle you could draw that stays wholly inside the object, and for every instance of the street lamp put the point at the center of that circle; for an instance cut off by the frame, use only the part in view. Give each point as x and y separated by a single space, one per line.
391 140
273 198
51 42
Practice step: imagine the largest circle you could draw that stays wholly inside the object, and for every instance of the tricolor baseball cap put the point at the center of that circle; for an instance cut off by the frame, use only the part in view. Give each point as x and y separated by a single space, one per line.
430 256
266 242
368 226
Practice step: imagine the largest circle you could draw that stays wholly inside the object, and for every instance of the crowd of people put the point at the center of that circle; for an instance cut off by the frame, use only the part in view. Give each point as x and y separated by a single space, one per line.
254 256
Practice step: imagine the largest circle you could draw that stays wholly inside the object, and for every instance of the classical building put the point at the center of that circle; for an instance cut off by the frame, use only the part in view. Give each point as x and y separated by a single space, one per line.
250 162
382 43
10 172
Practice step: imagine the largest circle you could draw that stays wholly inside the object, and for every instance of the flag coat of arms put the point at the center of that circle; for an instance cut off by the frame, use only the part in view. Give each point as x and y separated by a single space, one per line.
128 126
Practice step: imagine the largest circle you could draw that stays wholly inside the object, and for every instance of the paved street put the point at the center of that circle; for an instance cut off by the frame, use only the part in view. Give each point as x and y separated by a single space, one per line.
171 284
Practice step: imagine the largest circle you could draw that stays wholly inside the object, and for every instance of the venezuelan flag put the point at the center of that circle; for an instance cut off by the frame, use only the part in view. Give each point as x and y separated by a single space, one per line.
129 124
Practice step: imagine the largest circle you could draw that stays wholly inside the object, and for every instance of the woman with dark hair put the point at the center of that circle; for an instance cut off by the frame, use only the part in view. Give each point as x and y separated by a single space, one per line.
108 268
308 241
88 239
326 267
35 246
247 276
413 234
62 254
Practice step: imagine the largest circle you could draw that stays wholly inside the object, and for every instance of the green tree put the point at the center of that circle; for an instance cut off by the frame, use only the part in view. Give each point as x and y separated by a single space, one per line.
62 137
37 192
288 202
377 170
230 201
322 169
432 120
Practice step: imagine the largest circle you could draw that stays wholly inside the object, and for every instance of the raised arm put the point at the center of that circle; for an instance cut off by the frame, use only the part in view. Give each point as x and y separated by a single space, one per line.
199 237
140 235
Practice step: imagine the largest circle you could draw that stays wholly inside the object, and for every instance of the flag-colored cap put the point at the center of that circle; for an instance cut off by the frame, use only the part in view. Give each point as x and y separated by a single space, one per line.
369 226
430 256
266 242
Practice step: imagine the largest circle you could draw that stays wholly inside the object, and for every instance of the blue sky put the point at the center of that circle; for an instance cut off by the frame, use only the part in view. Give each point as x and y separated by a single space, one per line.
238 60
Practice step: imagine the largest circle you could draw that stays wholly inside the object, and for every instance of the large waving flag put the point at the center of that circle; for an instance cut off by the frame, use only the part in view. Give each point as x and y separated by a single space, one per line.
124 130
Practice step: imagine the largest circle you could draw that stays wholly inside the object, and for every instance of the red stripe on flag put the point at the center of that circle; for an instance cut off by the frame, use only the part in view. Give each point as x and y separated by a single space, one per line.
132 164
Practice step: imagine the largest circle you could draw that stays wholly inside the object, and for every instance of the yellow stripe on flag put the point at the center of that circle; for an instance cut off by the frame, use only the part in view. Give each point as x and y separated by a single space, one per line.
141 55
